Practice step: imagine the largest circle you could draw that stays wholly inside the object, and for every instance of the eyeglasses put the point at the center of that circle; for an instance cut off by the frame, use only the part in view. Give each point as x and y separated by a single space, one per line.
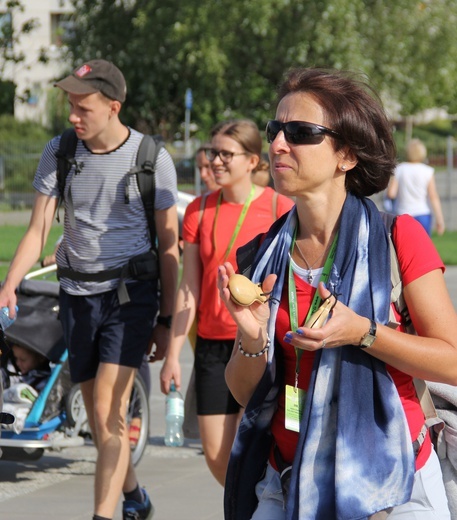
299 132
223 155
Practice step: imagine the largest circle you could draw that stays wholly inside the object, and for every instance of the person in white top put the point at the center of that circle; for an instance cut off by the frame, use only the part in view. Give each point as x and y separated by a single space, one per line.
414 189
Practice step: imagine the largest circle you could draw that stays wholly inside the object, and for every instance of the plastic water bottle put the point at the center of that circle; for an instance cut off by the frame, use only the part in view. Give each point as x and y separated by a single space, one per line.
5 320
174 418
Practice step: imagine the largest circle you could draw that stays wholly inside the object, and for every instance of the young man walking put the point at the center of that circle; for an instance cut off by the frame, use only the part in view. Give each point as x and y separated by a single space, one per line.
105 228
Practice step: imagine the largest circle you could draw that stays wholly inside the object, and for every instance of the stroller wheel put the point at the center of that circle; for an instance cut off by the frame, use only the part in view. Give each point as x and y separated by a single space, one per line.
21 454
76 411
138 419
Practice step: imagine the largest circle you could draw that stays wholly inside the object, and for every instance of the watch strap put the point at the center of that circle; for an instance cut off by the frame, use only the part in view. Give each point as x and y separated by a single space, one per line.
165 321
369 338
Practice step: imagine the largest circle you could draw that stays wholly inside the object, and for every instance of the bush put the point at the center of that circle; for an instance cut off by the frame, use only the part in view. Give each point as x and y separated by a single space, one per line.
21 144
58 111
7 93
20 131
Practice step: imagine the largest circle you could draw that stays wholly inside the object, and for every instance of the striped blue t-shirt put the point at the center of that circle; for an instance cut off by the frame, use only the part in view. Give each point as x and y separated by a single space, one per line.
108 231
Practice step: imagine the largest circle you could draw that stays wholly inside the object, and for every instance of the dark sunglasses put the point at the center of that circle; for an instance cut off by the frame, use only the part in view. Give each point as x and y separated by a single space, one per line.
299 132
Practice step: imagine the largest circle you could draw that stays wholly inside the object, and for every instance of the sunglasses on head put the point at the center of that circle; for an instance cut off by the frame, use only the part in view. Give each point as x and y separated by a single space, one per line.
299 132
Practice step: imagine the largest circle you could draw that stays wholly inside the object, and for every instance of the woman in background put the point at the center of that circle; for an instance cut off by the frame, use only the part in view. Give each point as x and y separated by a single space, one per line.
215 225
414 189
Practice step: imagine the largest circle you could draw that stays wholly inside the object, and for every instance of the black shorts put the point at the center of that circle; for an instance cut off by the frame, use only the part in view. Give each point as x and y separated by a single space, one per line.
213 395
97 329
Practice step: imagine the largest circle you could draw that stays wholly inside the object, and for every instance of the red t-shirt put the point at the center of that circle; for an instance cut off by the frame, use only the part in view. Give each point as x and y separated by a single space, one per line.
416 256
214 320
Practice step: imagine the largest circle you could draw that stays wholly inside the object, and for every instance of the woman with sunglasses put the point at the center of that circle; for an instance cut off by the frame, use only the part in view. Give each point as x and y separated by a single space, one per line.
214 226
333 427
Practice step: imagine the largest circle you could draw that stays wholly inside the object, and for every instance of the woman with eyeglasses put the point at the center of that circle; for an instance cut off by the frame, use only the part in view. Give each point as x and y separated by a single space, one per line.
333 428
214 226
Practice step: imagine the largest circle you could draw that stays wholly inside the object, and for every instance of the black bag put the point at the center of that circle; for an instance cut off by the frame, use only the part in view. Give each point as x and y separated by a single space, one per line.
144 266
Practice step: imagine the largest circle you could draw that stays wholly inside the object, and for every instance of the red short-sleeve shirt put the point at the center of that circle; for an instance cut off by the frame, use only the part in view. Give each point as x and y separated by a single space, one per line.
214 320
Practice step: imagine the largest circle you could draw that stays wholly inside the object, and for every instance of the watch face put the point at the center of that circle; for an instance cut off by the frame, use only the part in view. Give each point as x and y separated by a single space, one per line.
367 341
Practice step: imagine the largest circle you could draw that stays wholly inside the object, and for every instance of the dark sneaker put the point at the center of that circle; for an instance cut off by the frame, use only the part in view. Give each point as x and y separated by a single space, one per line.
133 510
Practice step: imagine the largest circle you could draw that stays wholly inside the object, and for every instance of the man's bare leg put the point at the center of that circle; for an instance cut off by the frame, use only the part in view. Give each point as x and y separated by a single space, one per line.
105 398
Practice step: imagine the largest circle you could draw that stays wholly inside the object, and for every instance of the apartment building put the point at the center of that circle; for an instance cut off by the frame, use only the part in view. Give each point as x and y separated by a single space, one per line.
31 76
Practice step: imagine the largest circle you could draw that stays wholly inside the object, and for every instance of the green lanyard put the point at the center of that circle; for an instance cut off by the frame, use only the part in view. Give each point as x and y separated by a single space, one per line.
293 308
238 224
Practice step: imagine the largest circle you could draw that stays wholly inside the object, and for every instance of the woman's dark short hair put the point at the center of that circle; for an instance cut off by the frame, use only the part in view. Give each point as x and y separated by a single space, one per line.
353 109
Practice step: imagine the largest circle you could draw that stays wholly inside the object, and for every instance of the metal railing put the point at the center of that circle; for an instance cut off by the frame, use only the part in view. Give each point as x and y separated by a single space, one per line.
19 160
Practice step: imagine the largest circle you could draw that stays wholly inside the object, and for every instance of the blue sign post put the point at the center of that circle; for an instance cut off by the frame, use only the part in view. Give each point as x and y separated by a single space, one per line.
189 99
188 105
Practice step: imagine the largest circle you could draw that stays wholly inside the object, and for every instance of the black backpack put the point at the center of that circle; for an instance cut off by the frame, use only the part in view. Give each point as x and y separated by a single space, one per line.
144 171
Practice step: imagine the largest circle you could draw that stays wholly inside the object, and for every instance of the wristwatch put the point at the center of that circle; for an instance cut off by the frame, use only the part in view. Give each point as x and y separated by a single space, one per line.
369 338
165 321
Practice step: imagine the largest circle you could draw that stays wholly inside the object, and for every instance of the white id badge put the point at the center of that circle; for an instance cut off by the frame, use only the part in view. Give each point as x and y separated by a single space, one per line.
295 402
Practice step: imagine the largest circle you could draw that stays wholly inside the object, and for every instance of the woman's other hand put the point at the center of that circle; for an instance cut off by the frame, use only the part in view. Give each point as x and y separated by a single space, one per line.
344 327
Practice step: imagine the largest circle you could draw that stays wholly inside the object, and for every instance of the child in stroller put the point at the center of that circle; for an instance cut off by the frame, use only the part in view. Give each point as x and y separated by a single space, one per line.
29 367
23 377
56 418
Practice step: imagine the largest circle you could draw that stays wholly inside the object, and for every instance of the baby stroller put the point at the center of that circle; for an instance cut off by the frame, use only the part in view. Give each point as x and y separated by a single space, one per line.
57 418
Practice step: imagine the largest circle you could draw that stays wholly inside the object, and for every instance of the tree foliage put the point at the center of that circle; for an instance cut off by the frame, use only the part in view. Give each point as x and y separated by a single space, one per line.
233 54
10 36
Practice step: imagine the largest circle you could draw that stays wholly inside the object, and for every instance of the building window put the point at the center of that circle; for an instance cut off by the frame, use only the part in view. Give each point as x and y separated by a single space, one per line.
33 94
61 28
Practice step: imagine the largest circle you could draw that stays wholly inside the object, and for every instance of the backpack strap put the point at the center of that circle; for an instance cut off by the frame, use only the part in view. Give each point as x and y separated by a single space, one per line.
144 170
423 393
431 417
396 294
202 208
65 161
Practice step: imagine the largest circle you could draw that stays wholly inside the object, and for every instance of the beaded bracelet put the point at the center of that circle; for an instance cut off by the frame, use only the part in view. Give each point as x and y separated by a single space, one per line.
257 354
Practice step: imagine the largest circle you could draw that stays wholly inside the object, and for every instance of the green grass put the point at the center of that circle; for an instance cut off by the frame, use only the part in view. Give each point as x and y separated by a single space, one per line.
11 235
447 246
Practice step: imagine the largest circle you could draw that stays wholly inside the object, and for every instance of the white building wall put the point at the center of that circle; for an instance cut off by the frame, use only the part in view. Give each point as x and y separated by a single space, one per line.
31 74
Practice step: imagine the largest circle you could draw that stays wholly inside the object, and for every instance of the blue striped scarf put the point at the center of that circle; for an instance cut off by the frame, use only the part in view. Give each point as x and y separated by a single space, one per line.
354 456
